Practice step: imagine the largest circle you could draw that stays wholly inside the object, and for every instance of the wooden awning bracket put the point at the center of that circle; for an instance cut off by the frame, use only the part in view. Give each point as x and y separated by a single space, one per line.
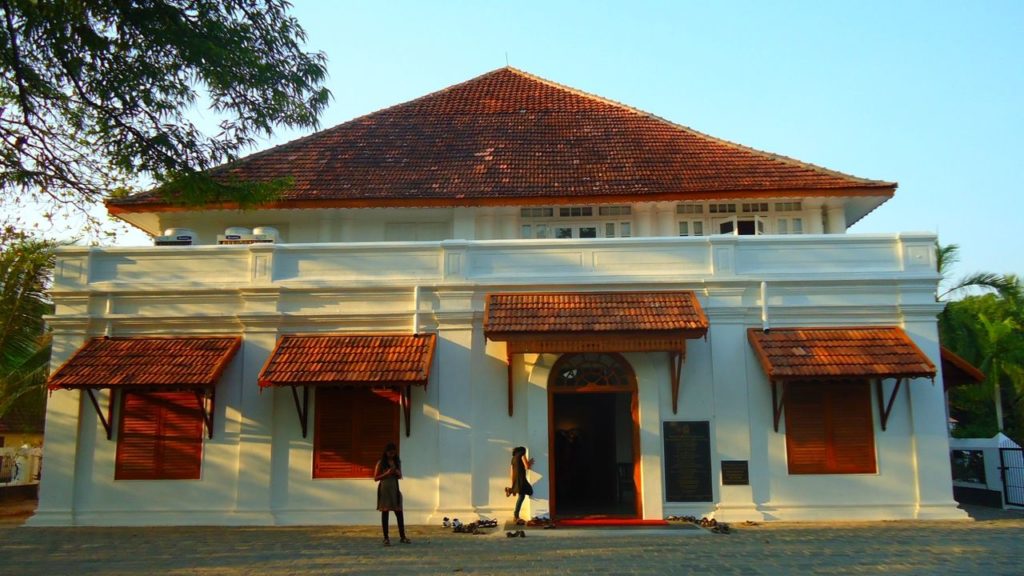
675 359
406 399
778 402
885 408
105 419
510 383
205 399
302 408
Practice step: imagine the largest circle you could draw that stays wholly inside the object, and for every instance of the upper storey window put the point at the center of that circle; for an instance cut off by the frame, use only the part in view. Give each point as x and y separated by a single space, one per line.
575 211
536 212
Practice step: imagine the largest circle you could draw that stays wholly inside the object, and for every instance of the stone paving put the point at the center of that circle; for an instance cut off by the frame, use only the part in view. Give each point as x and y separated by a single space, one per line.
992 546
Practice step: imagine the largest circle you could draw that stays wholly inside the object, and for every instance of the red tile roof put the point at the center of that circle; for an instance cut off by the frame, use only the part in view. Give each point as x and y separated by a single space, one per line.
956 371
508 137
593 312
841 352
171 362
349 359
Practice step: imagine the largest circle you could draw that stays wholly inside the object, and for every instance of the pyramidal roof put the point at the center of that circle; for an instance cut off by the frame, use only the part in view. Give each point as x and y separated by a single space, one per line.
509 138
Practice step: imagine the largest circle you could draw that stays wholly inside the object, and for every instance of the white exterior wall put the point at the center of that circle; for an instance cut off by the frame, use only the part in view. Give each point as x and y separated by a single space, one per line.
257 467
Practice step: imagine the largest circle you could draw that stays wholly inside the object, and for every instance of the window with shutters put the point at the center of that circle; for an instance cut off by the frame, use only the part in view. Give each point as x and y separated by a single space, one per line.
160 437
829 428
352 426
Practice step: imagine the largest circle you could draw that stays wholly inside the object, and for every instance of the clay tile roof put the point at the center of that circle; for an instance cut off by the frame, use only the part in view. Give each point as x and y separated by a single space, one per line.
956 371
173 362
590 312
510 137
823 353
349 360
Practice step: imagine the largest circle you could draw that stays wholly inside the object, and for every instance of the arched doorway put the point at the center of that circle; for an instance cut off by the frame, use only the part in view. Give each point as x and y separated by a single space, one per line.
594 436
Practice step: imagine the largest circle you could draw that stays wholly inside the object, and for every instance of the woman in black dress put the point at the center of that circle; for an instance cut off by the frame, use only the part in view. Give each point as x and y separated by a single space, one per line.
389 497
520 485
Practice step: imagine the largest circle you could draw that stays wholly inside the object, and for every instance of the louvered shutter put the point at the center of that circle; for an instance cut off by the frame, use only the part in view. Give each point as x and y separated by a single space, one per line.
829 428
352 426
806 447
160 437
853 438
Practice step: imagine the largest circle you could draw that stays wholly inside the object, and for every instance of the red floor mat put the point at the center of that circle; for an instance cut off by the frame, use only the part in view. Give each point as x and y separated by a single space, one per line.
609 522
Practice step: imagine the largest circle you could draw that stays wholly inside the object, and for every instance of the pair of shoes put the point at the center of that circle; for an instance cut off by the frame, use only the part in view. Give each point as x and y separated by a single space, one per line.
387 542
405 541
516 533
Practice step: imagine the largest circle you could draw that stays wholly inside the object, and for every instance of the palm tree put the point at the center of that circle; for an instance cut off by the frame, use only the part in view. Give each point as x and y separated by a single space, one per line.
987 330
25 266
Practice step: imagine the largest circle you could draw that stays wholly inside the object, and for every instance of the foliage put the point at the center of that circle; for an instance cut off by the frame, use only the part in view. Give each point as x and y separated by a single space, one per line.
988 331
95 96
25 266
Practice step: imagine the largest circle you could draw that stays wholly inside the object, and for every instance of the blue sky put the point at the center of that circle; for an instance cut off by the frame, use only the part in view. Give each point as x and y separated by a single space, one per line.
928 94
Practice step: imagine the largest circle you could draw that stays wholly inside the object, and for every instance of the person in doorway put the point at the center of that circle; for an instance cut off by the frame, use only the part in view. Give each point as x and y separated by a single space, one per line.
520 485
389 498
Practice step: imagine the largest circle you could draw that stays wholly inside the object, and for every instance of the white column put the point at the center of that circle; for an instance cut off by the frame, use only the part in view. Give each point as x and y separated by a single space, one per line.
642 215
929 441
508 223
813 218
730 425
464 224
453 366
485 224
836 220
67 412
254 427
666 217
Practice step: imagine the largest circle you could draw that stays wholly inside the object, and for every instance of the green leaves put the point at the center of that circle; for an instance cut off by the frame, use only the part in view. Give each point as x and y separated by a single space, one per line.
101 99
25 266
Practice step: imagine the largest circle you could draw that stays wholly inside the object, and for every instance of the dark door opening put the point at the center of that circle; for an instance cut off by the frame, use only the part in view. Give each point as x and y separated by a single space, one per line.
593 453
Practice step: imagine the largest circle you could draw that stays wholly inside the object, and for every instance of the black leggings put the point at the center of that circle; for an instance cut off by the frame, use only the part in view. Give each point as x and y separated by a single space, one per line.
401 523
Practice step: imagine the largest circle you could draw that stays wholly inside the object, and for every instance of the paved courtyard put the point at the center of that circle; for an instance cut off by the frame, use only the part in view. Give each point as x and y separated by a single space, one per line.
992 545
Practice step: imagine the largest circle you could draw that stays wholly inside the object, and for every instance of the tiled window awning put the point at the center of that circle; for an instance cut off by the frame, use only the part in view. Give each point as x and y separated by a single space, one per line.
148 364
564 322
843 353
349 360
958 372
837 354
594 321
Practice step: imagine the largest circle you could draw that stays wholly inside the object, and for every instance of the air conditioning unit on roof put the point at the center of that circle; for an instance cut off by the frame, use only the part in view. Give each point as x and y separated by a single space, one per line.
241 235
176 237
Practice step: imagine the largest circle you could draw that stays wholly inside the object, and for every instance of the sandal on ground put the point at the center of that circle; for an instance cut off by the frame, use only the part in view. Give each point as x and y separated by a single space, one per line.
510 534
522 534
387 542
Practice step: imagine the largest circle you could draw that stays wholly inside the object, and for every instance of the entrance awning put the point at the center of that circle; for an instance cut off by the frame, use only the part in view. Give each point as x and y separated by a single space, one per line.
148 364
357 360
564 322
839 353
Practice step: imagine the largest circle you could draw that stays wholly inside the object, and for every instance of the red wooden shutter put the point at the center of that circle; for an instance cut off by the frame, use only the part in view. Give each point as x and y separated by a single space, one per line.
829 428
352 426
806 446
853 427
160 437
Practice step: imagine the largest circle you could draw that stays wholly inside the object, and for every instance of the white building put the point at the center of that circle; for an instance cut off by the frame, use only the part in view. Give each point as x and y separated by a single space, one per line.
505 262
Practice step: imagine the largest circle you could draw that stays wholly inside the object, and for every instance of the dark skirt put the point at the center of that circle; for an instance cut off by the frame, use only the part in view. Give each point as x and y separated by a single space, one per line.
389 497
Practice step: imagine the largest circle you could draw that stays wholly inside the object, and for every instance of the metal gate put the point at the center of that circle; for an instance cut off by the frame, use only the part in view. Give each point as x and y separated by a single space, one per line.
1011 462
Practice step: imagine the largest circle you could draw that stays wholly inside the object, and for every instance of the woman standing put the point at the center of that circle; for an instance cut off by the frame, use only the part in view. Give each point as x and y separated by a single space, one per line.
520 485
389 497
